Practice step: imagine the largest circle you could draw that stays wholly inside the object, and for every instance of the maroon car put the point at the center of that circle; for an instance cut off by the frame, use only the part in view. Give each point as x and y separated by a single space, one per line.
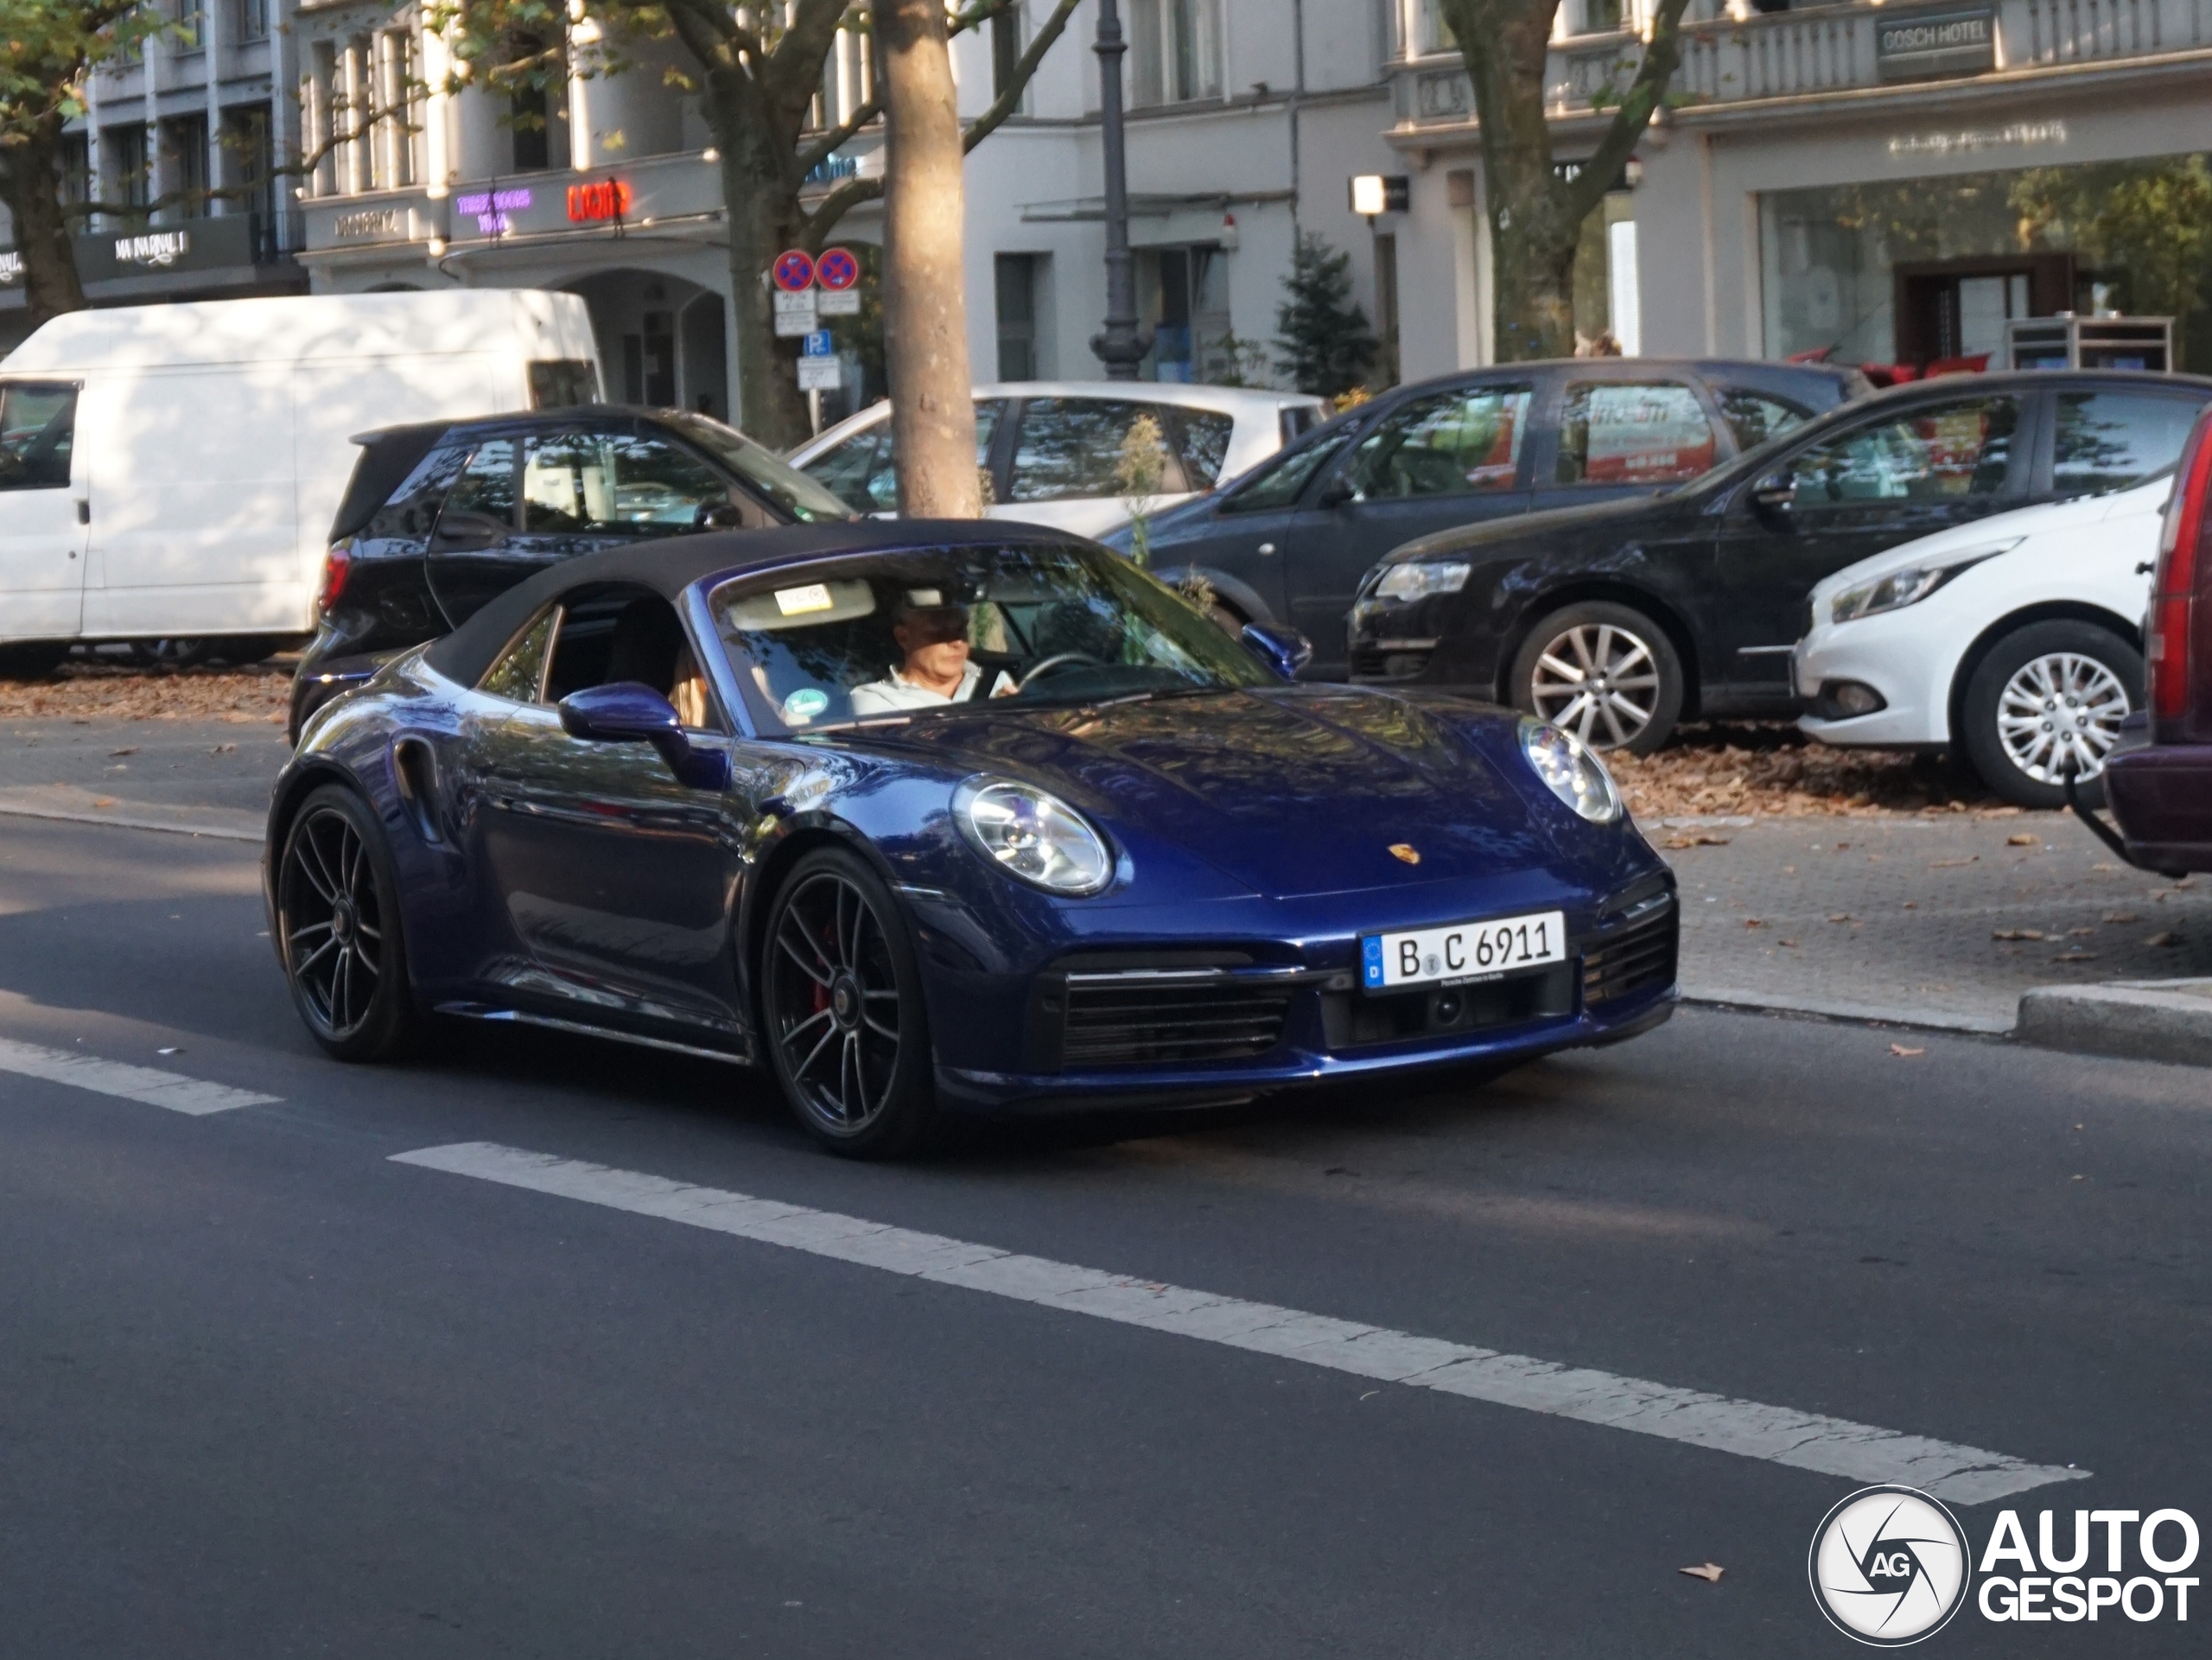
2158 781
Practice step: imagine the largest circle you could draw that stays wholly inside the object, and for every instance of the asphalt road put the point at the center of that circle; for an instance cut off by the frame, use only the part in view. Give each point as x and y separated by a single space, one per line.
265 1392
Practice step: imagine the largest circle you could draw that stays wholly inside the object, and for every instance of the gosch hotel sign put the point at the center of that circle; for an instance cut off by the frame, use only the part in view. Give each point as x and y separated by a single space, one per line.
1920 46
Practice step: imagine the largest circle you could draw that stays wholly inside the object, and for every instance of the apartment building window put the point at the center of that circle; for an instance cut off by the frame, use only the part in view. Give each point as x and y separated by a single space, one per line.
1431 33
248 142
126 153
77 171
191 18
184 142
1019 284
1176 45
253 19
530 113
1598 17
1006 48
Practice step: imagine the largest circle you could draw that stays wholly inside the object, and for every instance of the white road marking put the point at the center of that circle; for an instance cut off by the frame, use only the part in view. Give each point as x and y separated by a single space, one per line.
156 1089
1805 1441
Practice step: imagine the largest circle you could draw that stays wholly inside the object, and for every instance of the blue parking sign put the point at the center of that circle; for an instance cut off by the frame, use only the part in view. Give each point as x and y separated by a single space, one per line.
816 345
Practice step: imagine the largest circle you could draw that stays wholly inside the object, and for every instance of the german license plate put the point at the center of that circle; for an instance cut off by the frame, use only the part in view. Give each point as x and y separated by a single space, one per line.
1463 951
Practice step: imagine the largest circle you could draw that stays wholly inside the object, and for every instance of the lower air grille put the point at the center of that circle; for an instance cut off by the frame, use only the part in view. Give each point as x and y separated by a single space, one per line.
1169 1025
1635 958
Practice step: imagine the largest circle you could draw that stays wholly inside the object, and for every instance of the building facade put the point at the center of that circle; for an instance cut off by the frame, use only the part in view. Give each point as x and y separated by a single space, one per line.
1883 183
185 139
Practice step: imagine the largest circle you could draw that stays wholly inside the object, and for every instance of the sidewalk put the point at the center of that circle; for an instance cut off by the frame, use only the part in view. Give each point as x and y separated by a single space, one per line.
1900 919
208 776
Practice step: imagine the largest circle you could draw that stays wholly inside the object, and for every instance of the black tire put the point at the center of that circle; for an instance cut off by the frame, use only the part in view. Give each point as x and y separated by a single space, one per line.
1227 619
1642 700
243 651
835 933
33 660
179 653
339 930
2084 676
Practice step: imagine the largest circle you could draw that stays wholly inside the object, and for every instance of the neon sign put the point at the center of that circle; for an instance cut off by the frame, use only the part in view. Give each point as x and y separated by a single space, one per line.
598 200
490 208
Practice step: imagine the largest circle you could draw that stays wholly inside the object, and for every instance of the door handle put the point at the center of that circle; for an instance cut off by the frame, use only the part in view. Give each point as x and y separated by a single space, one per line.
84 512
1267 547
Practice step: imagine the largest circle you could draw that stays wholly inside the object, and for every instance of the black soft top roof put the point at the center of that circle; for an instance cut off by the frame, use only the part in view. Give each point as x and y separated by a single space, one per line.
669 566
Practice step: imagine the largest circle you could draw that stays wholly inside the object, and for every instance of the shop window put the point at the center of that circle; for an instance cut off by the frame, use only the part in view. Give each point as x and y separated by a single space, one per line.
1454 444
1944 453
2106 441
1184 300
1631 432
1754 417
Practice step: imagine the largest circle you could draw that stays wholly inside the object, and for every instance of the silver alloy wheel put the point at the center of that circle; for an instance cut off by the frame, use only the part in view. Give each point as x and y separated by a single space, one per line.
1596 671
333 923
832 984
2061 705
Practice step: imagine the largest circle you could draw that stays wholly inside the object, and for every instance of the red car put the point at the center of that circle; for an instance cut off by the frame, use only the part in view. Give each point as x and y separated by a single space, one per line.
2158 781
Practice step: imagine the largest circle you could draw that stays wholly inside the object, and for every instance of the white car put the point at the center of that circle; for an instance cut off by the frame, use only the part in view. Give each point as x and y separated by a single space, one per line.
1053 449
2017 638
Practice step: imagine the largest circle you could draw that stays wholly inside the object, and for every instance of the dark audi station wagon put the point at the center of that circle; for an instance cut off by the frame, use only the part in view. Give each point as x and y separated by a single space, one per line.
441 517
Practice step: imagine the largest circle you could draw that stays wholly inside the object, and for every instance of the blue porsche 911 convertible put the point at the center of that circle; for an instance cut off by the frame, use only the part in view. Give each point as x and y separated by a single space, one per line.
929 818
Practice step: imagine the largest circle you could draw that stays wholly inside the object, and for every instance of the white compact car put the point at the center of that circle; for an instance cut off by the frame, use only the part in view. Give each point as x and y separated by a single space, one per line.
1052 449
2017 638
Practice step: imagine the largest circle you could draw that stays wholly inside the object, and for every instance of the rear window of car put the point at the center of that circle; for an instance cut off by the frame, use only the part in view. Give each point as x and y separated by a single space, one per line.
2108 439
1071 448
1205 446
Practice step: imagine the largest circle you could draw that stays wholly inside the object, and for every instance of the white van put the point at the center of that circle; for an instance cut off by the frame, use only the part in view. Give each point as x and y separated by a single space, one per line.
171 471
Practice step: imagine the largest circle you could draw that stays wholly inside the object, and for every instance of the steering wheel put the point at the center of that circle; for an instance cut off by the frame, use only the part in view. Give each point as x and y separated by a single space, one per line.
1059 660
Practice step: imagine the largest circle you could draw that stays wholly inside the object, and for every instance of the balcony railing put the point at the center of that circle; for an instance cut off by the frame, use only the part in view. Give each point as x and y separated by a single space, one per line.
1827 48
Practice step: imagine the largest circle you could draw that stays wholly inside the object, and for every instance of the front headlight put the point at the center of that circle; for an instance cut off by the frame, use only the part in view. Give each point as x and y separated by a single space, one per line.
1570 770
1417 579
1032 834
1907 587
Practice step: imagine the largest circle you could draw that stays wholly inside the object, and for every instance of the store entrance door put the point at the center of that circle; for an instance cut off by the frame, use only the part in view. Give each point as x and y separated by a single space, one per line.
1957 308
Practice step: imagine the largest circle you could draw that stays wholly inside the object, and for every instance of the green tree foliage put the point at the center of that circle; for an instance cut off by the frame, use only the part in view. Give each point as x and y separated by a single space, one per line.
1324 343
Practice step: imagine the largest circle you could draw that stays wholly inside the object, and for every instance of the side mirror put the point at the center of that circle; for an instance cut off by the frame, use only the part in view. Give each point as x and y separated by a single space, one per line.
630 712
462 530
718 516
1285 650
1335 494
1775 495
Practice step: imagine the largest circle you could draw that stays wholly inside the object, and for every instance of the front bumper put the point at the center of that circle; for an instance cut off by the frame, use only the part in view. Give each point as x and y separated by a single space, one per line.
1167 1033
1868 653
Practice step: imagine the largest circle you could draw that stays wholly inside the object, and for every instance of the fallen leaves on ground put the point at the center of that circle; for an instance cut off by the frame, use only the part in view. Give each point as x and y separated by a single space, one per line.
2121 916
2022 841
1709 1572
98 691
2075 956
1675 843
1899 1050
2165 939
1956 864
1726 769
2016 933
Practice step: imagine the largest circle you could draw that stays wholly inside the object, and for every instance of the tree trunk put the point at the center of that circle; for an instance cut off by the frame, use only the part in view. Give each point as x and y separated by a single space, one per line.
1532 266
925 318
763 222
31 184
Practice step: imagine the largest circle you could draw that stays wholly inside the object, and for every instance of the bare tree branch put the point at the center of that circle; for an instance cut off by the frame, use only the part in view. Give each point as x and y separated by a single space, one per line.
1662 56
1025 68
832 141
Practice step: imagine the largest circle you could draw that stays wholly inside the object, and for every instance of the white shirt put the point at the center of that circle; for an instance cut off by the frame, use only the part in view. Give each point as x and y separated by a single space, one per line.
895 691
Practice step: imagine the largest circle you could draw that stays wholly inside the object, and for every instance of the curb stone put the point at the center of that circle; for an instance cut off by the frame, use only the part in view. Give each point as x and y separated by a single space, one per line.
2140 1020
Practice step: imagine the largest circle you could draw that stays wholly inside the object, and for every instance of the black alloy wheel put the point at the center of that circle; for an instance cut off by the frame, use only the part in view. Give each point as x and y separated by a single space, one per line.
846 1029
2048 697
338 911
1606 673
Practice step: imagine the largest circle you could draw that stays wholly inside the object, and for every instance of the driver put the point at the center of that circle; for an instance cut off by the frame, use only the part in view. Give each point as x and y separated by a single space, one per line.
933 636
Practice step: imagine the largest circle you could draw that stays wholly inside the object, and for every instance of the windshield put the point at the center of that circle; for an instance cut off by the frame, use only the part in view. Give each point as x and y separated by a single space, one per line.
918 631
807 502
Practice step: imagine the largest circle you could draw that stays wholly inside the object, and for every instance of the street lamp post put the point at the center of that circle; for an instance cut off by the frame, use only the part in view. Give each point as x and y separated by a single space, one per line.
1120 346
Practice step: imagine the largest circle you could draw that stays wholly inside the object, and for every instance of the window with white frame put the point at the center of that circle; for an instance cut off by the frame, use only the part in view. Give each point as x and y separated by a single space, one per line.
1175 48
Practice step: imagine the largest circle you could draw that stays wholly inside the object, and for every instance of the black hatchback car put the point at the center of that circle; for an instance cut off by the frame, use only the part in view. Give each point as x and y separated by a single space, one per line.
1290 541
1618 621
441 517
